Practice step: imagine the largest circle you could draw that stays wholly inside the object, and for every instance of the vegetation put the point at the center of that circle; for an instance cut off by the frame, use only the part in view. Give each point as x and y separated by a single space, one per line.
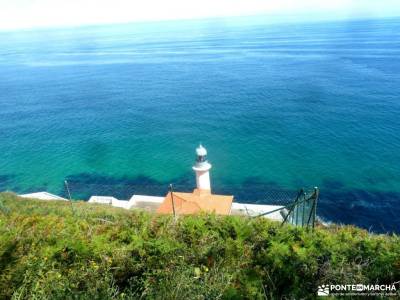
49 251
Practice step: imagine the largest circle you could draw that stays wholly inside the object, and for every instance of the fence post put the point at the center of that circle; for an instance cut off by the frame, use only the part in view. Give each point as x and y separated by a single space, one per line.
69 196
171 190
316 193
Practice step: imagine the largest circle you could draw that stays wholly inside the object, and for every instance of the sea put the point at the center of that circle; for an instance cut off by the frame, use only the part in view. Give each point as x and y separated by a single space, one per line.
119 110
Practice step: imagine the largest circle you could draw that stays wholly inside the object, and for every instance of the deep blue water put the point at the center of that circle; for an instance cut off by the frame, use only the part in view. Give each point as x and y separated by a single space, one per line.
119 110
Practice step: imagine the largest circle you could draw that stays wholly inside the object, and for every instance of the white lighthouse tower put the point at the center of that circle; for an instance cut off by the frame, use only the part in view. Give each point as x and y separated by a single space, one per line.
202 168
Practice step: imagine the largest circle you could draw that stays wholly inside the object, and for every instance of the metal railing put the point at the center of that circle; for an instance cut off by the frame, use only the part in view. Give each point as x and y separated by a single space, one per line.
302 212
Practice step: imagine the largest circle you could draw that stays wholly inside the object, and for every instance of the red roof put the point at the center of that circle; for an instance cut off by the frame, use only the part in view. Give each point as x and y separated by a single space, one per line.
198 201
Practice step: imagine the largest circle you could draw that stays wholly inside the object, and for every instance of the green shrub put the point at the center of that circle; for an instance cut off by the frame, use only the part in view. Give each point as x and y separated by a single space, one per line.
48 251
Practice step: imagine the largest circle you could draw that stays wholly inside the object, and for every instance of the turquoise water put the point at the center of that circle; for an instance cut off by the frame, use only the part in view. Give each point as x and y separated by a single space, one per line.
120 109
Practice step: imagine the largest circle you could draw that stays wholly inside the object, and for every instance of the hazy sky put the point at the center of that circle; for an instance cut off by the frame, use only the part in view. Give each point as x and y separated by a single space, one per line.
15 14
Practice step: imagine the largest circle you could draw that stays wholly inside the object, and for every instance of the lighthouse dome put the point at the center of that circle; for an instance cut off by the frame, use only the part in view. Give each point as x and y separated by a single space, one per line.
201 151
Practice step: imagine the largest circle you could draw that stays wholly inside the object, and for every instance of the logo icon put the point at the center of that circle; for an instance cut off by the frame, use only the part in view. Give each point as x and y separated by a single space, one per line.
323 290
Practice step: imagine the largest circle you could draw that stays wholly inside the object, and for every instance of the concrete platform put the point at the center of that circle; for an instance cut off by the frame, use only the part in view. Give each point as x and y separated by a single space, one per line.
102 199
43 196
149 203
253 210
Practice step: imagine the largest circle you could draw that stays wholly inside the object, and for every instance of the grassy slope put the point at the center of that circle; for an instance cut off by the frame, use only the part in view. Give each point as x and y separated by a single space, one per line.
102 252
